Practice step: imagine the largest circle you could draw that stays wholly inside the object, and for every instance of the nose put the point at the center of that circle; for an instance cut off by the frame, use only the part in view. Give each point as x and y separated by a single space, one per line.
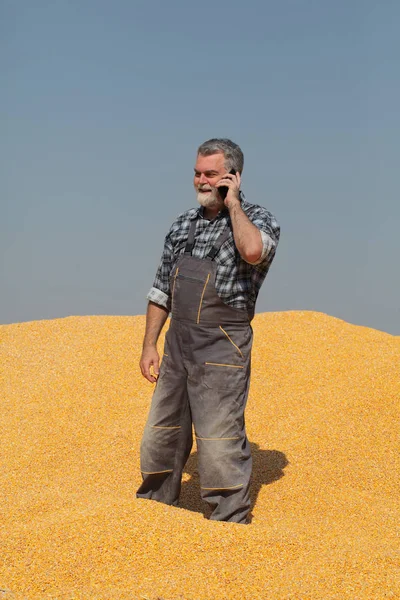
203 178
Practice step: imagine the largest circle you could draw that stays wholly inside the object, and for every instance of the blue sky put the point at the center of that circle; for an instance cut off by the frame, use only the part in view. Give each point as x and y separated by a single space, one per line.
103 105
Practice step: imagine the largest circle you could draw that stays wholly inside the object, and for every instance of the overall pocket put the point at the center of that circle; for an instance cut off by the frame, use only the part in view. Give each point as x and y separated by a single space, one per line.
226 366
222 376
231 341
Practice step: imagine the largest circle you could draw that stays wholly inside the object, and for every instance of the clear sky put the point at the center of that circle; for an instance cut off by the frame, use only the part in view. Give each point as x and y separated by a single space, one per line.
103 104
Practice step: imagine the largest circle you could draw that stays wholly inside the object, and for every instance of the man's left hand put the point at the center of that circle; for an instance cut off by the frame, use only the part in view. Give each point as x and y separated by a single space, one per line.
232 182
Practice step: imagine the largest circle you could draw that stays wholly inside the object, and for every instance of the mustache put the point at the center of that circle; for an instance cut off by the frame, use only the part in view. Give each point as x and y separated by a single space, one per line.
204 189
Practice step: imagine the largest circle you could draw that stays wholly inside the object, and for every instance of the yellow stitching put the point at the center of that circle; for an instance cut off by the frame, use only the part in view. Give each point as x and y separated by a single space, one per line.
173 287
210 439
233 487
165 354
201 299
233 343
157 472
222 365
165 427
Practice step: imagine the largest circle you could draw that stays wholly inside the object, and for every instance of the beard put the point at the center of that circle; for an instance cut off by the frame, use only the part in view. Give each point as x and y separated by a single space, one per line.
210 199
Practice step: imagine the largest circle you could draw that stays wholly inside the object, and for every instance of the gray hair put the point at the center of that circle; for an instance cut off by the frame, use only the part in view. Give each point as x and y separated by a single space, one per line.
233 155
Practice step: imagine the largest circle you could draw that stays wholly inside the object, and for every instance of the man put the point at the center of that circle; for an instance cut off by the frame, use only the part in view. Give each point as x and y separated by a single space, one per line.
214 261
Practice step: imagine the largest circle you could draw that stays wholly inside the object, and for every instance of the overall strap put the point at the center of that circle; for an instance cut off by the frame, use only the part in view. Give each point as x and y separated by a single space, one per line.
190 240
218 243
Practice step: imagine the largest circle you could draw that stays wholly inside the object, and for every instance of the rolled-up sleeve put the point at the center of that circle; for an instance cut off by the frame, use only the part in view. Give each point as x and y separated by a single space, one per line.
158 297
270 233
160 291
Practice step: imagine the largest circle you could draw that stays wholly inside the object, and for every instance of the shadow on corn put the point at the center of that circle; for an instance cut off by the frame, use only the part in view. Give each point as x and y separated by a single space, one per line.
268 467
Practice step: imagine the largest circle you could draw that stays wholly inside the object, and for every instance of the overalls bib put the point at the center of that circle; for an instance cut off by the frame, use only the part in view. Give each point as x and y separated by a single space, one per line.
204 381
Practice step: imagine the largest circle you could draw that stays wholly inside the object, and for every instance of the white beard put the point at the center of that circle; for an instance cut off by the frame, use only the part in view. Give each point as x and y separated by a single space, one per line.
209 200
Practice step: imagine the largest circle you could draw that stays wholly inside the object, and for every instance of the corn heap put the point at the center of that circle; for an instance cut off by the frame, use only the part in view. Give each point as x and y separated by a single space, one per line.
323 421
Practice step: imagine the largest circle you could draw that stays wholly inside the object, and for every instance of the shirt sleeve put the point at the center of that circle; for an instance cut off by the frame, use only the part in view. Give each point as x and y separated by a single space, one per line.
160 291
270 233
267 246
158 297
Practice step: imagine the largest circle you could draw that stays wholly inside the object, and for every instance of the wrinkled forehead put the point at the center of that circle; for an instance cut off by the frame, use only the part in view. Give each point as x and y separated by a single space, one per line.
214 162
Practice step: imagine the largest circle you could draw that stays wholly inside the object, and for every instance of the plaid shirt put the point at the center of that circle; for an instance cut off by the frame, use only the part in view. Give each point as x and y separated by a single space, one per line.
237 282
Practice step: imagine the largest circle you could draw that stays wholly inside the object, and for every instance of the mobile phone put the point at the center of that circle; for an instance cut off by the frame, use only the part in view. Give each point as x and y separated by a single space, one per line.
223 190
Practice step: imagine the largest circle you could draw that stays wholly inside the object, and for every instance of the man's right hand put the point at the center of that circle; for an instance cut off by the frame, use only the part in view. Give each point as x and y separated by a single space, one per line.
150 361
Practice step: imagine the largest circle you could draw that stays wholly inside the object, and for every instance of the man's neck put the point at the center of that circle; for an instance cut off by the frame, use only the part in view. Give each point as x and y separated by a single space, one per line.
210 213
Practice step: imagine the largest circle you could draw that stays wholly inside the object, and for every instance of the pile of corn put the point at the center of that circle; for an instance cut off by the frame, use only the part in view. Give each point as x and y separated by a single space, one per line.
323 421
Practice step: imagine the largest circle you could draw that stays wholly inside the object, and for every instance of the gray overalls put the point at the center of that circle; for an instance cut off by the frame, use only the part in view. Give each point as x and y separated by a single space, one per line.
204 380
